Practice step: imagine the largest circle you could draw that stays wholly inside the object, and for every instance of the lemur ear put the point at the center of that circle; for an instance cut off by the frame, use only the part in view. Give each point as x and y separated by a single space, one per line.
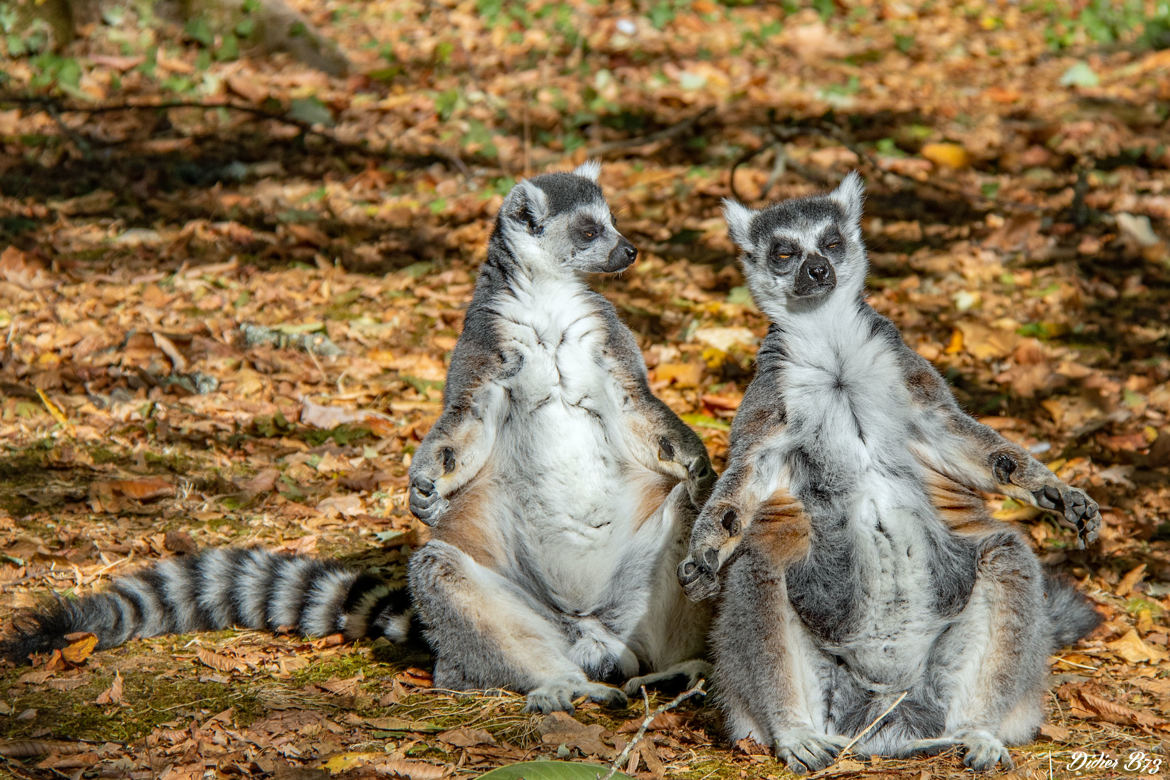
849 195
739 223
590 169
527 204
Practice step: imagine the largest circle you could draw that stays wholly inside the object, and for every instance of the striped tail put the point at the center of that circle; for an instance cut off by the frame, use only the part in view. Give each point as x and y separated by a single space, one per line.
217 589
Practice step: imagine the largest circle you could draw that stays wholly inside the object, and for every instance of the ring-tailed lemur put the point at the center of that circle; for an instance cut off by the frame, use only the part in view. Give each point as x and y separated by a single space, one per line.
561 492
861 560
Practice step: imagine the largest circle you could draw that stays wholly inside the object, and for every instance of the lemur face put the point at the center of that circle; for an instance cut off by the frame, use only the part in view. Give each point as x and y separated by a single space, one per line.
563 221
800 252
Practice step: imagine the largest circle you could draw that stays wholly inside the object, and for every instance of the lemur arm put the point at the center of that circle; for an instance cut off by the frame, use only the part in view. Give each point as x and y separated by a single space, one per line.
742 493
976 456
659 439
460 442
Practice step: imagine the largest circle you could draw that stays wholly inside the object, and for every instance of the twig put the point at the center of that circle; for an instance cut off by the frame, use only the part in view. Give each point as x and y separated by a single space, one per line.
650 716
869 728
665 134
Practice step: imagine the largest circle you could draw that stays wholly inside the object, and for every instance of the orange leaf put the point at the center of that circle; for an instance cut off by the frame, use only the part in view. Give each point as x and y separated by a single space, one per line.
947 155
680 374
80 649
113 694
219 662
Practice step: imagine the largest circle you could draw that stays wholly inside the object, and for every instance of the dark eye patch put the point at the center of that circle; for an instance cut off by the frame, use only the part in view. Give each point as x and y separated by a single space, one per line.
831 239
587 230
782 253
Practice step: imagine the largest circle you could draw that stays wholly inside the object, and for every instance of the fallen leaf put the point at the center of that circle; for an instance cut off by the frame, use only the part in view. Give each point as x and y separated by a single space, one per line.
1054 733
679 374
951 156
465 737
113 694
1133 649
663 721
344 506
22 270
79 649
219 662
1132 578
560 728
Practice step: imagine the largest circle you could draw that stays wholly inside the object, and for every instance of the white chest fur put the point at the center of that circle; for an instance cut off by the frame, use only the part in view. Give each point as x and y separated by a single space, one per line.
561 476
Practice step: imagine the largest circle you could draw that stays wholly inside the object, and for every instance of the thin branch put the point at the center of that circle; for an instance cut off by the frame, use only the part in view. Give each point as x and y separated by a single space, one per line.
665 134
870 727
650 716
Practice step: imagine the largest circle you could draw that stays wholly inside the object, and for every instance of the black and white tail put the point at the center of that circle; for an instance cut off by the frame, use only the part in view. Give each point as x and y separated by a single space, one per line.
1071 615
222 588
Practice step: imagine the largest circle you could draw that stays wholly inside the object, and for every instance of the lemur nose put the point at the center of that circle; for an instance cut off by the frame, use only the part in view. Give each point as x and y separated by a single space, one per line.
818 271
631 252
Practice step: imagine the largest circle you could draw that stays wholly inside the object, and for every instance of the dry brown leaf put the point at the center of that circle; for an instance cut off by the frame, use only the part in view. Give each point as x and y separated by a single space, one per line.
1055 733
219 662
22 270
113 694
412 770
1133 649
679 374
1131 578
263 482
560 728
465 737
663 721
31 748
145 489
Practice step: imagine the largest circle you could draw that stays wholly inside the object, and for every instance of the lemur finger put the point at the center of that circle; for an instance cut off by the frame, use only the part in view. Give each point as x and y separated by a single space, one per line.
1047 497
447 455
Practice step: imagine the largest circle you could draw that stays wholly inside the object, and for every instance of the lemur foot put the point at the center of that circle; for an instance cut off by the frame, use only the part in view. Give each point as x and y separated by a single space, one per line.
690 672
558 696
1078 510
804 750
982 750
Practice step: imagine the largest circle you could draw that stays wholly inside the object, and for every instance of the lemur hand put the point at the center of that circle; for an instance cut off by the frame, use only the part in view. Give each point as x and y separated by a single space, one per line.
715 535
700 476
425 501
1075 507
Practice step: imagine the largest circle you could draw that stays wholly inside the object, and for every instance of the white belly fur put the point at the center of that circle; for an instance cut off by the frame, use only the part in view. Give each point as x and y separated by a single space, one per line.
569 496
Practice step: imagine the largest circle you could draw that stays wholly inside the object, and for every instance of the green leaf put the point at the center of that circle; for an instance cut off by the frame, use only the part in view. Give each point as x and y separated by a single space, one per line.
199 29
1079 75
311 111
551 770
706 421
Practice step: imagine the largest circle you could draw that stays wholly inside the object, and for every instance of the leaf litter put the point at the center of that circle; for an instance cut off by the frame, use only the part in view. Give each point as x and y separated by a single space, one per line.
223 330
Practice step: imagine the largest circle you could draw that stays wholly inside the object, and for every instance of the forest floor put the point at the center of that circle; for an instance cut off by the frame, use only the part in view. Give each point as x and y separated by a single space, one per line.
200 309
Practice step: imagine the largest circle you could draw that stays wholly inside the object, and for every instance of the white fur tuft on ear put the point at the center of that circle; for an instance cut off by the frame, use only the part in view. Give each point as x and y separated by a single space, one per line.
590 169
849 195
527 204
739 223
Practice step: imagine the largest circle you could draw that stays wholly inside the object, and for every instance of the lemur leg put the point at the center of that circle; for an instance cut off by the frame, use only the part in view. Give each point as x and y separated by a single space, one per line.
487 633
671 630
454 451
769 677
979 457
993 660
